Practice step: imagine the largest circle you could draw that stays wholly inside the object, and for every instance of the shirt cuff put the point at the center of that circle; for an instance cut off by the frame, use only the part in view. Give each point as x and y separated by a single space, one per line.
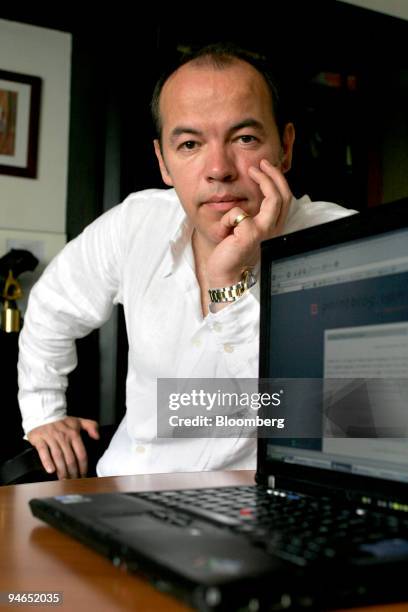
40 408
238 323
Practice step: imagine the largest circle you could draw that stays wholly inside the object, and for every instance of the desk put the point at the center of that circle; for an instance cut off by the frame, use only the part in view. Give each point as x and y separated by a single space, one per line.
35 557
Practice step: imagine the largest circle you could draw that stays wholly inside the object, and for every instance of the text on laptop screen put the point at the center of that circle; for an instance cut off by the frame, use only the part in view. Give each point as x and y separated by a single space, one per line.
342 313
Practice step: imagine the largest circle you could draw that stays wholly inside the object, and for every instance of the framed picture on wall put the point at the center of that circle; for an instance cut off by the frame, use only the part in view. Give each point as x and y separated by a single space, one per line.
20 96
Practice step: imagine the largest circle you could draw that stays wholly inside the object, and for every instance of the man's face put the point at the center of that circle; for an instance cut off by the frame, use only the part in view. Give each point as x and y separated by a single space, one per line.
216 124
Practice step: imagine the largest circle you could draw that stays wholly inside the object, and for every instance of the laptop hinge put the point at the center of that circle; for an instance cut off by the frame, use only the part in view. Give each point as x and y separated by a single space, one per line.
271 482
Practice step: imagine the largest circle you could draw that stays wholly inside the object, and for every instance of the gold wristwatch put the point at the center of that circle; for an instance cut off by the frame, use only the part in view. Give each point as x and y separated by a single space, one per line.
232 293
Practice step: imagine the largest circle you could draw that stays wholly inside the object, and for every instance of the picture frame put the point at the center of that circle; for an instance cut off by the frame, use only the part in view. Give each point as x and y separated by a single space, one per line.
20 97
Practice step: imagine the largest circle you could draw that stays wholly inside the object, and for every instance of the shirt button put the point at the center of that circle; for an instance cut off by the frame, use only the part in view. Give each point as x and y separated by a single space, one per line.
140 449
228 348
217 326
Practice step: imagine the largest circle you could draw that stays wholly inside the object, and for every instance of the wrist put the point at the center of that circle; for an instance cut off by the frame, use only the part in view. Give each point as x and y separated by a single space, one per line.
224 281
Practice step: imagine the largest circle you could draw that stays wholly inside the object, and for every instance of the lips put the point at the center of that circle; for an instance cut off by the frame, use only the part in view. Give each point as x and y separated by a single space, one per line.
224 202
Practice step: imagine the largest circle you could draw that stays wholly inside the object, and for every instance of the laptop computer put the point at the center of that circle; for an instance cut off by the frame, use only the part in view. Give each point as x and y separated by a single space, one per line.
326 523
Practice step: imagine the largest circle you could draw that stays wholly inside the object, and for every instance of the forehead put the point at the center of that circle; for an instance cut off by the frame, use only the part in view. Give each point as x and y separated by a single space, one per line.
200 91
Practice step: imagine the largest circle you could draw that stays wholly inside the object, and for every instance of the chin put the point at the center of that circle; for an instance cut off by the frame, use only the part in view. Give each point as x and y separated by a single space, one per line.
210 236
219 233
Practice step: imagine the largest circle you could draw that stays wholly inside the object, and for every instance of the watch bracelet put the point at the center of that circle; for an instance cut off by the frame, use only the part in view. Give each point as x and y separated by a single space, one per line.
233 292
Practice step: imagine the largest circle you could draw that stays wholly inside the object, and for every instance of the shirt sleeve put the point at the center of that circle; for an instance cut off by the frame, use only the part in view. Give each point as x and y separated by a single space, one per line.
75 295
236 332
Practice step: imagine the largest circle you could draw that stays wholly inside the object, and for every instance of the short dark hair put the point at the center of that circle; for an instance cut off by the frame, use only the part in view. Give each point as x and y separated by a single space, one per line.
219 56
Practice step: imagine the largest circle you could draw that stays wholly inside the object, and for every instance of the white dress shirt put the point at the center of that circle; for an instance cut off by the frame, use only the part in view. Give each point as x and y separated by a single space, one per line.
139 254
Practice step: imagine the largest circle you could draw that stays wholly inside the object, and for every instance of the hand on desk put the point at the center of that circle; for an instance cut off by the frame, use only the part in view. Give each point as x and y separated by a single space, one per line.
60 446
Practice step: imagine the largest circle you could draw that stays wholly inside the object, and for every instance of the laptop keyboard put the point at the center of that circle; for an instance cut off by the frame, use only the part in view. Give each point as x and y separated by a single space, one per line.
297 528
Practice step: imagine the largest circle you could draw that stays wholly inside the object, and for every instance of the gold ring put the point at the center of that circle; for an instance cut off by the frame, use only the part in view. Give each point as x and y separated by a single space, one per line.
240 218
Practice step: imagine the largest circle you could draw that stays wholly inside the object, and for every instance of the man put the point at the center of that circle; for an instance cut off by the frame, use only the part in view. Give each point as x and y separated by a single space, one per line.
224 149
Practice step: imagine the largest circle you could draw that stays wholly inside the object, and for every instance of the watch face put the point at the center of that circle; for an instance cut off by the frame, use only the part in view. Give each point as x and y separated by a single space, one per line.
251 279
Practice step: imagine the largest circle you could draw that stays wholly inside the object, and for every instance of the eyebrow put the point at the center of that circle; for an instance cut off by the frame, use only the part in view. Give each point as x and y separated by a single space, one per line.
181 129
245 123
254 123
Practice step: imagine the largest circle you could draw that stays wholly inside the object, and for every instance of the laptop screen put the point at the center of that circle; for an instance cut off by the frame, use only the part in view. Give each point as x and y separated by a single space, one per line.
339 315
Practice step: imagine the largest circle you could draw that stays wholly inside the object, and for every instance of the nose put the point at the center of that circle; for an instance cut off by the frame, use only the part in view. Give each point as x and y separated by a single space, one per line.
220 164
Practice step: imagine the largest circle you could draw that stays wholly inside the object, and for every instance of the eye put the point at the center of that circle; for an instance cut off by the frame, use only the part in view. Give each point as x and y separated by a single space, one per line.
188 145
247 138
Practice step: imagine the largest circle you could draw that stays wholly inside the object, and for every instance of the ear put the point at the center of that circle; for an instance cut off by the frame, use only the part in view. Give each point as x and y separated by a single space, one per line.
288 140
163 168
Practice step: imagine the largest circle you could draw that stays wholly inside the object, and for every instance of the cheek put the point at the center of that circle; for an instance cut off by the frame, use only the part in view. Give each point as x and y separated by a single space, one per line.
185 173
245 163
185 184
185 181
252 188
252 158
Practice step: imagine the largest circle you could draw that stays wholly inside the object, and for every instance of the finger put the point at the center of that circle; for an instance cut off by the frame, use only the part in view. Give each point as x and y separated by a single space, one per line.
57 459
271 205
274 208
63 457
240 218
276 174
265 175
71 461
283 187
91 427
80 455
228 220
45 456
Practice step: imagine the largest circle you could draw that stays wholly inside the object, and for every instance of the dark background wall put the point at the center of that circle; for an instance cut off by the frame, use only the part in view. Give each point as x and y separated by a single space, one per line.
347 70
